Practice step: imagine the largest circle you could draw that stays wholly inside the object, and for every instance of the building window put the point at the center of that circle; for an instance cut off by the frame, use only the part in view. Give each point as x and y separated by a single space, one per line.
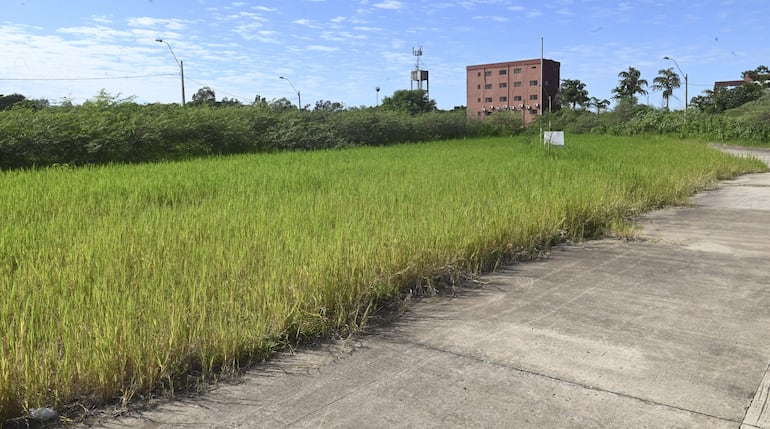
517 84
517 98
545 82
488 86
478 100
488 73
503 84
488 100
517 71
533 112
503 99
533 97
478 86
503 71
478 74
533 83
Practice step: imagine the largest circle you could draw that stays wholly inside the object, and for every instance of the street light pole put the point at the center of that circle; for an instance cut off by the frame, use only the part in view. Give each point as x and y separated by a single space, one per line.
299 97
686 83
179 63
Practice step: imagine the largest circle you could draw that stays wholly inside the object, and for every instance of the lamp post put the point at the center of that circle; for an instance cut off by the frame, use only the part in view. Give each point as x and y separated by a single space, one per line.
299 97
686 83
179 63
377 90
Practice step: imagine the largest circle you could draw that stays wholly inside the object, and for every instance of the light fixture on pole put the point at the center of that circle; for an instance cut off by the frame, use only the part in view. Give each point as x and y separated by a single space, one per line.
299 97
179 63
377 90
686 83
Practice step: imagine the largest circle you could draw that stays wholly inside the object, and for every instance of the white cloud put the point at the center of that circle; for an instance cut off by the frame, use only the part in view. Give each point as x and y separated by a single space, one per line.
306 23
322 48
368 29
491 18
248 31
389 4
101 19
145 21
270 35
99 32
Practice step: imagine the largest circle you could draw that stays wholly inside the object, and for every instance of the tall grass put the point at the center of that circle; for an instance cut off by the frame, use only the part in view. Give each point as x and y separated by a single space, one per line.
121 279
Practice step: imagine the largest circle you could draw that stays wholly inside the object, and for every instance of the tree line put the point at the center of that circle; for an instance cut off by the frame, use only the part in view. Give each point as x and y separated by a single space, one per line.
573 92
113 129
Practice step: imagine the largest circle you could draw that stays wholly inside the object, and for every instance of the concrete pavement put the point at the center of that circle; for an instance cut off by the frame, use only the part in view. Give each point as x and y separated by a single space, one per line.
673 331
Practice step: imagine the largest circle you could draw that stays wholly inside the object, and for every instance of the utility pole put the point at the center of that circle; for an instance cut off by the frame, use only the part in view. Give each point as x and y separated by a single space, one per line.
686 83
179 63
299 97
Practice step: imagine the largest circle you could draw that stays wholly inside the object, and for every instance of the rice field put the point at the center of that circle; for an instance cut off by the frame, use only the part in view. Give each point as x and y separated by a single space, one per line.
117 280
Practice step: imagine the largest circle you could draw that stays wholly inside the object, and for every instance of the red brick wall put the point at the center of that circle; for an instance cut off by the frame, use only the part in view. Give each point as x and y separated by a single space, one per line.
513 85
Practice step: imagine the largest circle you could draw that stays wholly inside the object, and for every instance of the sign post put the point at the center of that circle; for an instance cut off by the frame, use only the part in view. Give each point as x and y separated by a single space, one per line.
553 138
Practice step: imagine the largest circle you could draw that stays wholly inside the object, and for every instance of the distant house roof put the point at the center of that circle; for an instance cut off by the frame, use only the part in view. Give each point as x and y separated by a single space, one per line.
732 83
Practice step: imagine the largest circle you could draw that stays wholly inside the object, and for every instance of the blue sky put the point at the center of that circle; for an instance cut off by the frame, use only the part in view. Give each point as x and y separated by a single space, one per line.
342 50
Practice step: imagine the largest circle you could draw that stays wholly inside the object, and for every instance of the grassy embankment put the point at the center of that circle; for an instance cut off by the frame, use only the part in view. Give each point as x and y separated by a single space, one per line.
120 279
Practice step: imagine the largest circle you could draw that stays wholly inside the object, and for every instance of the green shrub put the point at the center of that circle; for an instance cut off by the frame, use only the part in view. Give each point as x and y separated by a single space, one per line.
124 132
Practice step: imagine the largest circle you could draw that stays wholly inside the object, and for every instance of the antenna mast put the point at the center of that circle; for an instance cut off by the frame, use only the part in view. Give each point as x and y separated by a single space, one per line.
419 75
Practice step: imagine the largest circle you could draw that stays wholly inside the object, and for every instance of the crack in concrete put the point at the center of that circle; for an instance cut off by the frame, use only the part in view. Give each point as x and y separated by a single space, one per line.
579 384
758 407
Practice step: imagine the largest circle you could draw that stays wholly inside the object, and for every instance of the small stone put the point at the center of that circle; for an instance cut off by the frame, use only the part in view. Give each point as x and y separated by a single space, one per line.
41 417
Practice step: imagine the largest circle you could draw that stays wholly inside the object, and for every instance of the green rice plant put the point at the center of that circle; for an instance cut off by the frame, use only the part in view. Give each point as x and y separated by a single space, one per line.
118 280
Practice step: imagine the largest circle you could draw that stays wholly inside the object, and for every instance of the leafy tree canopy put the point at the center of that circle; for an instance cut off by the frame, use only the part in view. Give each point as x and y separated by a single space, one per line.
281 104
204 95
666 81
329 106
413 101
759 74
104 99
229 102
630 84
598 104
7 101
720 98
573 92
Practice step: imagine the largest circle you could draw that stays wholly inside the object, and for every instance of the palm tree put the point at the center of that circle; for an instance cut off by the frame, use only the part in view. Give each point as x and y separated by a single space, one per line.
573 92
630 84
599 104
666 81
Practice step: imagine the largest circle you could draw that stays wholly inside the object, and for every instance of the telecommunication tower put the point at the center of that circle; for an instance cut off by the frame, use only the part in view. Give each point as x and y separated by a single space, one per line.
418 74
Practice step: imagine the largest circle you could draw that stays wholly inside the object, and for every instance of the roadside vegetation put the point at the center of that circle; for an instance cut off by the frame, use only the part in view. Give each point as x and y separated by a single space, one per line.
737 114
109 129
123 279
145 248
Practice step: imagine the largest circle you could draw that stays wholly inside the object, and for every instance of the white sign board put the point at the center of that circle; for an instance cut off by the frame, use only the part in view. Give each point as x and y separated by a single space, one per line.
555 138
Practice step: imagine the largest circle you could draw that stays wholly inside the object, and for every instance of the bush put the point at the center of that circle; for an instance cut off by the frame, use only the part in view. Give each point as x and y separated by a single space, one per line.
124 132
110 131
631 119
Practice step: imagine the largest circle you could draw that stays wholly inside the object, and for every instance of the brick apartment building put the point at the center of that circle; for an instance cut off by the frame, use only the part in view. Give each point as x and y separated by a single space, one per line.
513 86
